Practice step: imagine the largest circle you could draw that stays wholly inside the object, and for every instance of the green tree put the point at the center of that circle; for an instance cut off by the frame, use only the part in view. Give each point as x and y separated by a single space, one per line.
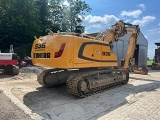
21 20
19 23
75 13
43 13
66 17
56 15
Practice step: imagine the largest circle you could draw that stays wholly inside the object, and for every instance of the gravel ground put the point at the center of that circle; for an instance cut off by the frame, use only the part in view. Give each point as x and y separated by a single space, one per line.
23 98
25 73
9 111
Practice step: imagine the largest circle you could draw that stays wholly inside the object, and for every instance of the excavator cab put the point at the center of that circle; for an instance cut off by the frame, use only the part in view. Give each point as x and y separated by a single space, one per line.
156 62
78 29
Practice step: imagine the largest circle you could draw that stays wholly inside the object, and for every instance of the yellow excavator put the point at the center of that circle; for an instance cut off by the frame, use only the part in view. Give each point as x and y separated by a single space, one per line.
86 64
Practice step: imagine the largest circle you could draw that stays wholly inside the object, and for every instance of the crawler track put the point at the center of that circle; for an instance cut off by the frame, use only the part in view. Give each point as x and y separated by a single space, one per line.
83 85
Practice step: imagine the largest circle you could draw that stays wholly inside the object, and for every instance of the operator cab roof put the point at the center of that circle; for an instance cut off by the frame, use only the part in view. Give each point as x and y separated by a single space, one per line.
158 44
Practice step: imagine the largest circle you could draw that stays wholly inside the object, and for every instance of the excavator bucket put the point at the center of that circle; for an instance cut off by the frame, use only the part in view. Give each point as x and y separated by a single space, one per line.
134 68
143 70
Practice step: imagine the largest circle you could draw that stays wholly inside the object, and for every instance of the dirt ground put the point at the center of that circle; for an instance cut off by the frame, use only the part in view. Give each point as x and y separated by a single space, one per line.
56 104
9 111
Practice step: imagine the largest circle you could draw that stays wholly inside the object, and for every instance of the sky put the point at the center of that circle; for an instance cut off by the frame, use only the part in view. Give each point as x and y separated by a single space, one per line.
145 13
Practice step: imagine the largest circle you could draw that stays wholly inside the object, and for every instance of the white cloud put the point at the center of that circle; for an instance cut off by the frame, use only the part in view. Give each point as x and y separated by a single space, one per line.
158 40
154 31
145 20
133 14
99 21
142 6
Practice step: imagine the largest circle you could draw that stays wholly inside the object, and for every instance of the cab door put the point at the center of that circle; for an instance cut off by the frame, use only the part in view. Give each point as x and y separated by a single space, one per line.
97 54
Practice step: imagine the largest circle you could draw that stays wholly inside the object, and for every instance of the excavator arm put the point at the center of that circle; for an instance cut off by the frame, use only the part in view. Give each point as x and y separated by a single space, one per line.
120 29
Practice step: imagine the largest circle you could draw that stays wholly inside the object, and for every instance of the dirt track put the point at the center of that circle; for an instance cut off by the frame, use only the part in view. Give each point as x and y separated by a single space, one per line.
56 104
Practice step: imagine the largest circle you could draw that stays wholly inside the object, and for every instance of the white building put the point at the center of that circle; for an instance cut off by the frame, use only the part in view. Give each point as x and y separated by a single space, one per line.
140 54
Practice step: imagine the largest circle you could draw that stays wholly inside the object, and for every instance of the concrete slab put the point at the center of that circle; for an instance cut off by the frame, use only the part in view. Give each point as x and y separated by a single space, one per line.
57 104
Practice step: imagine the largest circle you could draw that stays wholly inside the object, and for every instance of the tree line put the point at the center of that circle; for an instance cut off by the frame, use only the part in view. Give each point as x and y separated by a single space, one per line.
21 20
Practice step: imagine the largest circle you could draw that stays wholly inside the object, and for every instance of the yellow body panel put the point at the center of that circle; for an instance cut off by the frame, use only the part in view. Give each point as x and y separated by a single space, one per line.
73 51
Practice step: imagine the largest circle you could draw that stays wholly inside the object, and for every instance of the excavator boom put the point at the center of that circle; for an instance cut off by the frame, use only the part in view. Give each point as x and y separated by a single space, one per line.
120 29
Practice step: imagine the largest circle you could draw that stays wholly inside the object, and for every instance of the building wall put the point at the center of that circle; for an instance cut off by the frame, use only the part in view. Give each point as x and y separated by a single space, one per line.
120 48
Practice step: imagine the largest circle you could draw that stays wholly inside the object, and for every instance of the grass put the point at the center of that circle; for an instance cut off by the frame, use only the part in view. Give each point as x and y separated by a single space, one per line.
149 62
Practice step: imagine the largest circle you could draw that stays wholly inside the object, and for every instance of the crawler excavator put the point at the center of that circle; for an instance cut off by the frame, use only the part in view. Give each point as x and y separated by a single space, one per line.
86 64
9 63
156 62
